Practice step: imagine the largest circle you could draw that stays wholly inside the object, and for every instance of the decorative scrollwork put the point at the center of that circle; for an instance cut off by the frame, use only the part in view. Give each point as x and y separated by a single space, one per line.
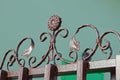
108 44
92 51
98 43
52 54
21 62
11 60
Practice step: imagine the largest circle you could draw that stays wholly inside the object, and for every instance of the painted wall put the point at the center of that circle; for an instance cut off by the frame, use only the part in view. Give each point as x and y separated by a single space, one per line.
21 18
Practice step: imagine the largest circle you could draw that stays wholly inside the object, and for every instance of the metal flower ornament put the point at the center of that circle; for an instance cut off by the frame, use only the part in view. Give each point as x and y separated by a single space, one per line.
52 54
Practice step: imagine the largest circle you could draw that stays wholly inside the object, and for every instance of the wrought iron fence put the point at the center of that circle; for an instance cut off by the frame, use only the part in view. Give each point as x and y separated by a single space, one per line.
51 70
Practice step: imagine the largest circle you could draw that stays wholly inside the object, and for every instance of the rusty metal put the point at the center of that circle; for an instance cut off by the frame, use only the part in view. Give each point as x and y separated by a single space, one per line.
117 67
51 70
52 53
98 42
23 74
11 59
54 22
113 74
82 67
3 75
17 51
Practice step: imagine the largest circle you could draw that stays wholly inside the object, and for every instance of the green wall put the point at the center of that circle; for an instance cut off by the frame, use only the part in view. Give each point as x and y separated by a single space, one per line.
93 76
21 18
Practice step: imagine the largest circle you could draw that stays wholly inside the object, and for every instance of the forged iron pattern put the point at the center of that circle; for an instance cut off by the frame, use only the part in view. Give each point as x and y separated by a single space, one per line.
52 53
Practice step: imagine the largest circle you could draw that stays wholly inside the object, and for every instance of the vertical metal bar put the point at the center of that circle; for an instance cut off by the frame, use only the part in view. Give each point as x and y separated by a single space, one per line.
50 72
3 75
9 78
112 74
81 70
23 74
118 67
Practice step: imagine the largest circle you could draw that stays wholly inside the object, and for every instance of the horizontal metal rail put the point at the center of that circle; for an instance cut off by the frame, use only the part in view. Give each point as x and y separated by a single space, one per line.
68 68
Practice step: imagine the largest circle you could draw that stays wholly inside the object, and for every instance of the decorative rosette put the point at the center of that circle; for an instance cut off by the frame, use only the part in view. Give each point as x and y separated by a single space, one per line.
54 22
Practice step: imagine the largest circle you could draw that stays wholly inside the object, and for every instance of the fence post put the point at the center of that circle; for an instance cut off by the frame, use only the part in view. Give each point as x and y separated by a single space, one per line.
112 74
81 70
118 67
23 74
3 75
50 72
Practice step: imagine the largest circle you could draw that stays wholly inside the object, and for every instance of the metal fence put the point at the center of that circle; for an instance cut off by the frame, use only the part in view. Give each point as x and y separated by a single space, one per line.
51 70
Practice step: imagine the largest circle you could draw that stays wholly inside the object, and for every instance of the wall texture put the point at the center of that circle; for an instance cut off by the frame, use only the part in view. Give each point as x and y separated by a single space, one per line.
21 18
